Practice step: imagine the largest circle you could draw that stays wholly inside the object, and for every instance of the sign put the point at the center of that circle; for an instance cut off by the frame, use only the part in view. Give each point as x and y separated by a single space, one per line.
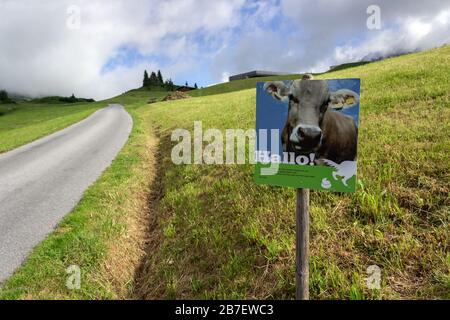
307 133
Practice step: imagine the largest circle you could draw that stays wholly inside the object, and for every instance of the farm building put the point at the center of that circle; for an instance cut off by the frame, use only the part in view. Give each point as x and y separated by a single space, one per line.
185 88
255 74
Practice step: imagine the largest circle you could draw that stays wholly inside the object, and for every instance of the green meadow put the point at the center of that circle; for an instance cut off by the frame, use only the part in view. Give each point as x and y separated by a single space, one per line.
24 122
222 236
27 121
208 231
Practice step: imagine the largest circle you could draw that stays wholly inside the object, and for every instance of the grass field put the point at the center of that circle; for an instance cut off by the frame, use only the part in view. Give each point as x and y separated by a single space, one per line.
26 122
151 229
218 235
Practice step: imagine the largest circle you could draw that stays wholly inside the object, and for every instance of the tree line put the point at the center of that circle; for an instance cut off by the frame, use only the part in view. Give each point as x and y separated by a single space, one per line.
4 98
157 80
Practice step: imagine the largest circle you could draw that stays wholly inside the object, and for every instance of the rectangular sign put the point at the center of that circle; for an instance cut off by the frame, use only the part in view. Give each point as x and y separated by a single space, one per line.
307 133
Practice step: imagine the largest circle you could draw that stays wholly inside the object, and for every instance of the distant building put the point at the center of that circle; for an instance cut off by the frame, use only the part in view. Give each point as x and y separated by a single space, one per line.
255 74
185 88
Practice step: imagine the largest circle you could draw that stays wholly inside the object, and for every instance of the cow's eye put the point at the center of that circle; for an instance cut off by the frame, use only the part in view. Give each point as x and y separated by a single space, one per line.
292 98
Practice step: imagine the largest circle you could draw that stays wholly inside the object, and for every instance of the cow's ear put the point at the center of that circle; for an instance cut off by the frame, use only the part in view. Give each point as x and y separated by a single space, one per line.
343 99
277 89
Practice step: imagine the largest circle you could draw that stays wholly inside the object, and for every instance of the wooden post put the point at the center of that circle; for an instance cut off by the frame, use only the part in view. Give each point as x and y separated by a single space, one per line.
302 245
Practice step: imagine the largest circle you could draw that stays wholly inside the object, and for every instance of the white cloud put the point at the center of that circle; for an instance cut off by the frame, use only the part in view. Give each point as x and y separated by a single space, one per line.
444 17
322 33
225 76
39 55
337 32
411 34
418 28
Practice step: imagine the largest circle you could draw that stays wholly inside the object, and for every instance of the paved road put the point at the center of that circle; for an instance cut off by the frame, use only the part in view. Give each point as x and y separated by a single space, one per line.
42 181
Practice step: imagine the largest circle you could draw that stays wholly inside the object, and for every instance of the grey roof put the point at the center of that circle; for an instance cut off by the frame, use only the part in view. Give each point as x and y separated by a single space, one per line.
256 73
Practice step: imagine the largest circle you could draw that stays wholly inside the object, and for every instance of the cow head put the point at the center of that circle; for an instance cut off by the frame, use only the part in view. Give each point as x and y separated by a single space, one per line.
308 100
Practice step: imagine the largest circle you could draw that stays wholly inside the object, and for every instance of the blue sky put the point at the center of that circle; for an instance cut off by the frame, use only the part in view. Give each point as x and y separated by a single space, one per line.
99 49
207 45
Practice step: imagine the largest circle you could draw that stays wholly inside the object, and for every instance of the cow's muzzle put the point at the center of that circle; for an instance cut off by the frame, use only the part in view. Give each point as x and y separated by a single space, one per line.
306 137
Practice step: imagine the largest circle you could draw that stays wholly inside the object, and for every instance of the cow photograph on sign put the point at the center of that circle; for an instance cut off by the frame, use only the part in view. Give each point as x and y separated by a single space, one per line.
317 122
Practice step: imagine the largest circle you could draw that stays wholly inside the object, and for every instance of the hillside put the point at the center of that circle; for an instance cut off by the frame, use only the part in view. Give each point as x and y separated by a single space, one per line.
152 229
25 121
249 83
144 93
348 65
235 85
230 238
59 99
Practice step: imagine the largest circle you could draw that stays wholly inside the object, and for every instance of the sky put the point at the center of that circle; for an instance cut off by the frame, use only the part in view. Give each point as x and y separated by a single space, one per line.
100 48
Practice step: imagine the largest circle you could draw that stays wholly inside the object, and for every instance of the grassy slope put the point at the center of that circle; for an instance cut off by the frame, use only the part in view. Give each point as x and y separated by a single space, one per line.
235 85
139 95
218 235
30 121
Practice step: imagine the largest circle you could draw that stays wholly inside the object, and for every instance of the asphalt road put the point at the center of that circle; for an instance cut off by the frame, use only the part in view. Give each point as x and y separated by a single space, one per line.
43 181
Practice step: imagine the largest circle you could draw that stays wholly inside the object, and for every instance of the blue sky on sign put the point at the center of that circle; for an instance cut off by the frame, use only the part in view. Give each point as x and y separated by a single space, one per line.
199 41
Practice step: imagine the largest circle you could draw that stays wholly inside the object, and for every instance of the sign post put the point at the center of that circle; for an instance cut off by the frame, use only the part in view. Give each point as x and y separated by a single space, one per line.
302 245
313 127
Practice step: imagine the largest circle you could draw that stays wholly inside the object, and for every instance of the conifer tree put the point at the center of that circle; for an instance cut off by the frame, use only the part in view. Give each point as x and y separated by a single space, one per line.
145 82
153 79
4 96
160 78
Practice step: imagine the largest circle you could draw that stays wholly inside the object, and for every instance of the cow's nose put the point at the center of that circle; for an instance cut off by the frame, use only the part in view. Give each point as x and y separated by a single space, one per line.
309 133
